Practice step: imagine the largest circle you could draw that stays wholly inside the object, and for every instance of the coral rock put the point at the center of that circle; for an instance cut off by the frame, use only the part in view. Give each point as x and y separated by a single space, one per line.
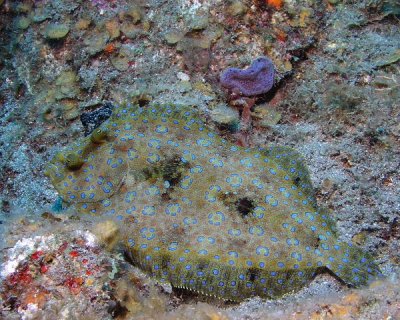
56 31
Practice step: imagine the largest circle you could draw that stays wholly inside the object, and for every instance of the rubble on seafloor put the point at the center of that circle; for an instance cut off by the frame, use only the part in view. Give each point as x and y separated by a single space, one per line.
334 99
71 272
67 273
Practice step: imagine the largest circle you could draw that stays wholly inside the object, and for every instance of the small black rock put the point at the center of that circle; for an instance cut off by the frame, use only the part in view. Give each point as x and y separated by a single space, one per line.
92 120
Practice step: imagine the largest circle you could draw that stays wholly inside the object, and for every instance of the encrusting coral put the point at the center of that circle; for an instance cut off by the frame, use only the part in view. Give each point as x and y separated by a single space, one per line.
202 213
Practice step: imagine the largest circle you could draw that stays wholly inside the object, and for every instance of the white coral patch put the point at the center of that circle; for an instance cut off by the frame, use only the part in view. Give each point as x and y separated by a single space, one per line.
23 249
90 238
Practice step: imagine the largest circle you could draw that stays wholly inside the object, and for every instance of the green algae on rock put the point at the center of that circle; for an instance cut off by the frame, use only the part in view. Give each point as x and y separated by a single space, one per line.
23 23
202 213
56 31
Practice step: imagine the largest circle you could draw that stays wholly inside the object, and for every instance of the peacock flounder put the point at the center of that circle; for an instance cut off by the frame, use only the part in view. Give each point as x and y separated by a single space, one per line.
202 213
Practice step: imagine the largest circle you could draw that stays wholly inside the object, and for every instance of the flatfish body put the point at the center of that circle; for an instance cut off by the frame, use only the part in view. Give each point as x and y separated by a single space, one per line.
201 213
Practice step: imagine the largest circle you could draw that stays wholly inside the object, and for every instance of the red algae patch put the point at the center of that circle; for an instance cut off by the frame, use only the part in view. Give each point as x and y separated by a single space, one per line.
45 268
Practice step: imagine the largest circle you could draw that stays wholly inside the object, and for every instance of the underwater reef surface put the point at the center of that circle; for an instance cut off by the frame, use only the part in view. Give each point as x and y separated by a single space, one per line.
334 99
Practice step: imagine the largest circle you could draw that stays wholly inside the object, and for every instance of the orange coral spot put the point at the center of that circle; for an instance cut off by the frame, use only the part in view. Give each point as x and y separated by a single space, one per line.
281 35
74 254
277 4
74 284
35 296
80 242
352 299
110 48
62 248
36 255
44 268
21 277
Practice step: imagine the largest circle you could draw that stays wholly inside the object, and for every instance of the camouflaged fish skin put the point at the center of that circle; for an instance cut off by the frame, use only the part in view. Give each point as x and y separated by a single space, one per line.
202 213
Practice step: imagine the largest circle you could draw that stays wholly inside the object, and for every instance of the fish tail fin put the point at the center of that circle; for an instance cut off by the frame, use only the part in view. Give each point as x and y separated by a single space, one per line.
352 265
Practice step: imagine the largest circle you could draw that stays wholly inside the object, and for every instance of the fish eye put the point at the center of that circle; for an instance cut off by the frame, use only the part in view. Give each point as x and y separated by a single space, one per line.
99 135
73 161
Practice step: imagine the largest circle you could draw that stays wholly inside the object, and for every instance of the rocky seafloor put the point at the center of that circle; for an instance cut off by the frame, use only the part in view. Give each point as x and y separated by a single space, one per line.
335 99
